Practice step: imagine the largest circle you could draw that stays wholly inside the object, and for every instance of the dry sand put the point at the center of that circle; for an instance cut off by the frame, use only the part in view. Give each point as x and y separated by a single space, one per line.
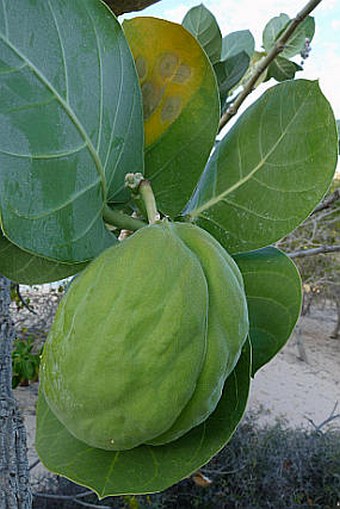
300 391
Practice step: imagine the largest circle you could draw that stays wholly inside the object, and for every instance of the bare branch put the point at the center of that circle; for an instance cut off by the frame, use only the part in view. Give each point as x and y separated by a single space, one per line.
123 6
332 417
22 300
314 251
73 498
93 506
325 204
275 51
34 464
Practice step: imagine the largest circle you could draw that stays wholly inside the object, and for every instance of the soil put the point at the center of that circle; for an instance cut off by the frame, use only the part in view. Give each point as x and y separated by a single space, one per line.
301 386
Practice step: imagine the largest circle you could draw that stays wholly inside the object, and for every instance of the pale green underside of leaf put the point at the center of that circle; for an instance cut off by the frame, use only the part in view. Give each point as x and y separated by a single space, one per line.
282 69
270 170
203 25
274 296
145 469
278 24
70 124
24 268
272 29
235 42
298 39
230 72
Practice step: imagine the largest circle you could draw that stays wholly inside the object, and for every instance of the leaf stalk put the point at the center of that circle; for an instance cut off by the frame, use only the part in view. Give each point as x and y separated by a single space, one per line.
145 190
120 220
141 188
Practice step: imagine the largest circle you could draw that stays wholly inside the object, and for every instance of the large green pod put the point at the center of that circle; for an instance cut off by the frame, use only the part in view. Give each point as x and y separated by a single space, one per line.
145 338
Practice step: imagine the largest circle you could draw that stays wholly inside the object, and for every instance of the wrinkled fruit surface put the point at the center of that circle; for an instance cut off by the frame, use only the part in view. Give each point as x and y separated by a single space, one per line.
144 339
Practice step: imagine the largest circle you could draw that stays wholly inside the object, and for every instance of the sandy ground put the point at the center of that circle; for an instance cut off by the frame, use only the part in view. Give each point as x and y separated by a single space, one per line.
300 392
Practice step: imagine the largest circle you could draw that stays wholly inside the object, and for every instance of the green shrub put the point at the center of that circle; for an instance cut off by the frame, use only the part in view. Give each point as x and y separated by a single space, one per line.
261 468
25 362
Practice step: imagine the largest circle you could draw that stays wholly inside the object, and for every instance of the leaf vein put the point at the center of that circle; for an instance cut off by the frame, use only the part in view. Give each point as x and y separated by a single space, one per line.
68 110
254 213
109 472
269 299
55 155
5 18
28 106
61 206
62 51
114 171
121 73
213 201
281 190
13 70
101 83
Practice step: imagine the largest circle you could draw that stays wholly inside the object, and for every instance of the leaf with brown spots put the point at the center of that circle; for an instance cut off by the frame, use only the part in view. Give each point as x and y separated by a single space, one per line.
181 107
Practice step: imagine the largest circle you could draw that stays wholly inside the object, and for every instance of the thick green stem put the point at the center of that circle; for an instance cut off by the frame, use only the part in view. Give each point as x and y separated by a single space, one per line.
141 188
145 190
120 220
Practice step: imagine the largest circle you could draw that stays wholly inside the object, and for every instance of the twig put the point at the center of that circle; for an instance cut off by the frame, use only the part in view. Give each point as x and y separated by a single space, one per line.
209 471
268 59
84 494
94 506
314 251
73 498
22 300
34 464
332 417
53 496
328 201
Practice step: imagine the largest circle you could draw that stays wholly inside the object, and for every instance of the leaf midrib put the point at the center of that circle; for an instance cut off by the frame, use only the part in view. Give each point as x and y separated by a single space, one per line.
67 108
213 201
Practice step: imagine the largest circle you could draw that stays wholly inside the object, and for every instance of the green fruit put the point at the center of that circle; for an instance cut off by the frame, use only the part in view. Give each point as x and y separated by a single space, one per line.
227 328
145 338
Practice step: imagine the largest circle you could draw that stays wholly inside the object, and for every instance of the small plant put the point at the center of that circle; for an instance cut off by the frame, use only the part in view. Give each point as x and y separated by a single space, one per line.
25 362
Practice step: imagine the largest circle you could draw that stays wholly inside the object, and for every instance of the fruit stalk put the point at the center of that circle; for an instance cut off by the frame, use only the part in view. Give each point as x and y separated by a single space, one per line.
120 220
141 187
148 197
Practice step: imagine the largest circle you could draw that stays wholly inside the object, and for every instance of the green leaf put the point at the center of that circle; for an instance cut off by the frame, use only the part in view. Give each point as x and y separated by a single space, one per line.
297 42
274 296
24 268
282 69
277 25
236 42
144 469
70 124
270 170
230 72
204 27
273 28
181 107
